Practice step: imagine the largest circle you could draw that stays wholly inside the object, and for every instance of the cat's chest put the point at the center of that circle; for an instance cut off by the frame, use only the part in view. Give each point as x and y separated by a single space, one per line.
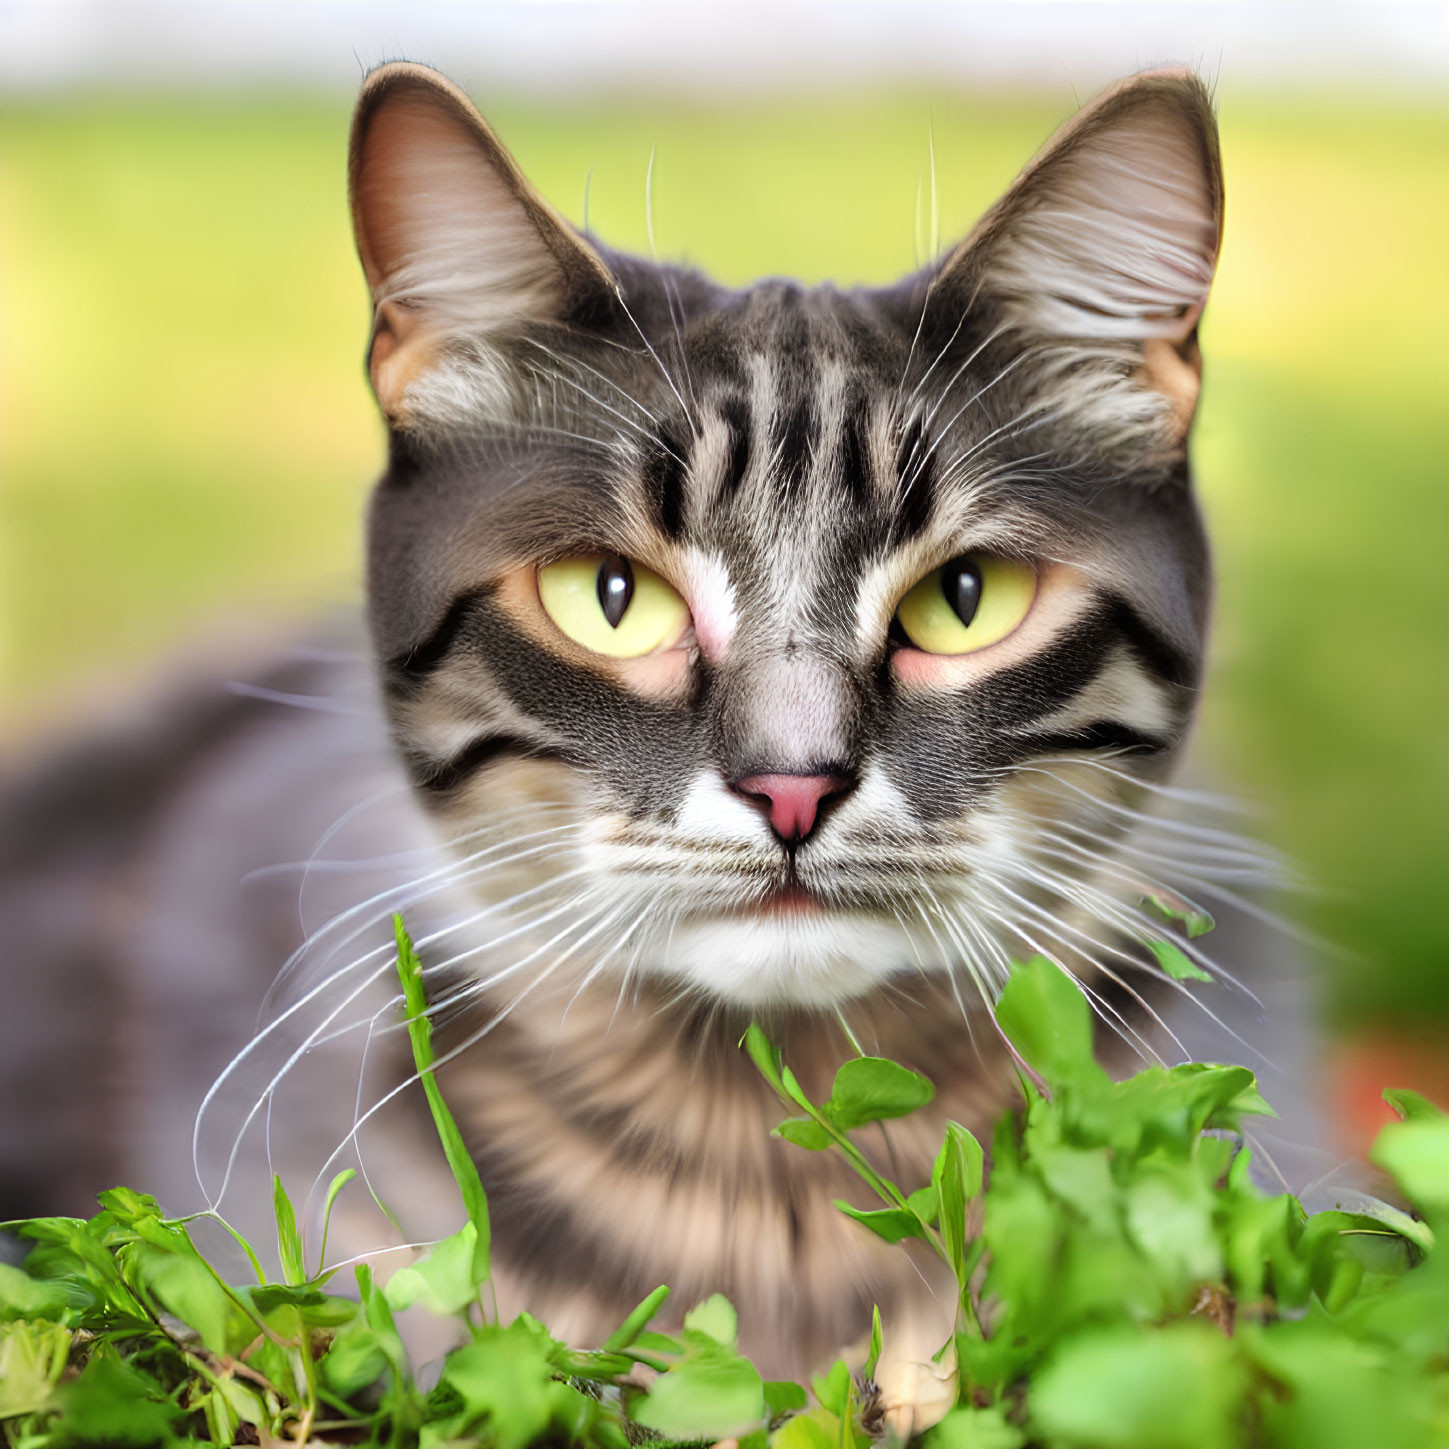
619 1160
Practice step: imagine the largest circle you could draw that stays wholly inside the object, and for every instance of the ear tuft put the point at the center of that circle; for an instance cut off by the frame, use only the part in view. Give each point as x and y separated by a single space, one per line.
461 254
1103 251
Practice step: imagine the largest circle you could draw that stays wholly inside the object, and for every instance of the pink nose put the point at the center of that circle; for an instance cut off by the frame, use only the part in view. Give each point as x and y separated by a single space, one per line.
794 800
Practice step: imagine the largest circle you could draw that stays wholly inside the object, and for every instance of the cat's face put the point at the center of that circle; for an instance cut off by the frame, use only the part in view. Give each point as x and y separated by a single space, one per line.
787 641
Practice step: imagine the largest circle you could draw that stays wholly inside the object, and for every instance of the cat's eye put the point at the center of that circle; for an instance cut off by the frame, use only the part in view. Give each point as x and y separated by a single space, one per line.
966 604
612 605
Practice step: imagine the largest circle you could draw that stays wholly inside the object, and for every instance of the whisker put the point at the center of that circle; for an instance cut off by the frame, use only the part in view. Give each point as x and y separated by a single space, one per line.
273 1026
382 904
454 1052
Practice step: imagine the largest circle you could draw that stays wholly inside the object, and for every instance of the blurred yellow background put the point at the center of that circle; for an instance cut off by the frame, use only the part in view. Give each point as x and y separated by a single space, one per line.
184 425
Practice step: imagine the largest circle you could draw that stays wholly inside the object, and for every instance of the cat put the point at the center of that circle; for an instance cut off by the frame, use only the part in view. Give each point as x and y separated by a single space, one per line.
782 653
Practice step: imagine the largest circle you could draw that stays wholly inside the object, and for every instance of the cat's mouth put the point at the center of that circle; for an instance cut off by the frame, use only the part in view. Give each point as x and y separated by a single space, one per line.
790 899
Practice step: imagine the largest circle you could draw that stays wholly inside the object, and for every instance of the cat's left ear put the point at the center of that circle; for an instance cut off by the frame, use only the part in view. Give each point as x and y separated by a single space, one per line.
462 255
1099 258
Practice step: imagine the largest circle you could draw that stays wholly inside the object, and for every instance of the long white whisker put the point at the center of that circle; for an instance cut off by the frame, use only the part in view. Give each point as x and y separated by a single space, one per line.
1104 1008
310 1041
393 893
472 1039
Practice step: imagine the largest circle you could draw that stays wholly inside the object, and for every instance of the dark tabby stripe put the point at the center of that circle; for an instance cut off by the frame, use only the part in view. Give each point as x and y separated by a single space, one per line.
1151 647
404 671
736 418
855 454
441 777
1100 735
915 484
795 436
665 481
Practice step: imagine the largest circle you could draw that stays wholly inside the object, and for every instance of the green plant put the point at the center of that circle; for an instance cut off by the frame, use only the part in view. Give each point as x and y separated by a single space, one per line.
1121 1284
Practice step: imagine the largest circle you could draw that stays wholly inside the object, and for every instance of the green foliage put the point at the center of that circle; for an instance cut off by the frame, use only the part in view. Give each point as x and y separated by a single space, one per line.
1121 1284
1130 1287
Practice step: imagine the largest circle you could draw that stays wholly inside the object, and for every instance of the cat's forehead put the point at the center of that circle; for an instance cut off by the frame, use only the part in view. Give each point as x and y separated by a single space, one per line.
773 450
782 398
794 432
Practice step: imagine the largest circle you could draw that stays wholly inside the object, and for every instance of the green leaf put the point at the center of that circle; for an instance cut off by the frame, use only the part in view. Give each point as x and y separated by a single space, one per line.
70 1250
715 1317
925 1203
312 1306
1419 1233
22 1296
1176 962
1170 1218
503 1381
628 1331
460 1160
1330 1391
877 1340
1179 1386
32 1358
971 1428
1410 1106
1415 1153
783 1396
289 1240
131 1208
715 1394
817 1429
186 1287
960 1166
833 1388
444 1278
1193 919
793 1090
871 1089
1080 1178
892 1224
957 1176
114 1403
665 1343
765 1055
1046 1018
333 1188
355 1359
380 1320
804 1132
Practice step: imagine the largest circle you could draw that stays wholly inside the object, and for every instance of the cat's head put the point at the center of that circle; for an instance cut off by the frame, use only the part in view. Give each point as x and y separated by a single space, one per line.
787 639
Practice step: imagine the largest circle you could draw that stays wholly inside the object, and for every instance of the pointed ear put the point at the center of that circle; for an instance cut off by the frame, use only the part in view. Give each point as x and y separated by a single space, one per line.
1101 255
461 254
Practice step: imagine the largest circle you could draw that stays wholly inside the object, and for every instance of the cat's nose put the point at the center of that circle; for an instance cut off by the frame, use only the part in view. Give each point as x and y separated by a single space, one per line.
793 802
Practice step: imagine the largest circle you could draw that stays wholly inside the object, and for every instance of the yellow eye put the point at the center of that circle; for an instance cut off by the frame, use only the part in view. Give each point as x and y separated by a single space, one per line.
967 604
612 606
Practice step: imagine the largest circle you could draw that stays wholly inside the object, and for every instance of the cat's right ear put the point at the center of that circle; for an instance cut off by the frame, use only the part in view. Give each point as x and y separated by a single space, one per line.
461 254
1095 265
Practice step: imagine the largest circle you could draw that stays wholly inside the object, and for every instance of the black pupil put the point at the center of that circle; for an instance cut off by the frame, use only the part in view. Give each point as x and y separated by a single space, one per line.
616 589
961 584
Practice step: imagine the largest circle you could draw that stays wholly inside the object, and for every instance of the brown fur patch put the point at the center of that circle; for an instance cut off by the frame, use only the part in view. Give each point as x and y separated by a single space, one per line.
627 1145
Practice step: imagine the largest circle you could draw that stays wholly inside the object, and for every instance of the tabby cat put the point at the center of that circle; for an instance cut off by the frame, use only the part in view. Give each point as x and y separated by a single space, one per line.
802 654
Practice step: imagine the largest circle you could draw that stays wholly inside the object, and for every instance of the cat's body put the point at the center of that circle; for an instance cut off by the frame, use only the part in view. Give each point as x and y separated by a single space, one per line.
808 791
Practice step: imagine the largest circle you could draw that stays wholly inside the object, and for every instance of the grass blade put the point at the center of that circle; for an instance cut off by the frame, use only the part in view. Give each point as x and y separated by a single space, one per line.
420 1035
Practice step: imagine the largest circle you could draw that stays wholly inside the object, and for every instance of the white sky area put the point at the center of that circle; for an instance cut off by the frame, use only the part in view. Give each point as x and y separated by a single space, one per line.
693 45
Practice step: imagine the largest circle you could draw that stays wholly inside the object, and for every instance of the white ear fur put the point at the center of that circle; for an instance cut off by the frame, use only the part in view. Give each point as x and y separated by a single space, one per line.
1122 245
1111 237
459 251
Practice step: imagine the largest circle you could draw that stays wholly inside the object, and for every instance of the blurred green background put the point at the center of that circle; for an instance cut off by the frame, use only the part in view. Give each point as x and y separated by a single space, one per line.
185 430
